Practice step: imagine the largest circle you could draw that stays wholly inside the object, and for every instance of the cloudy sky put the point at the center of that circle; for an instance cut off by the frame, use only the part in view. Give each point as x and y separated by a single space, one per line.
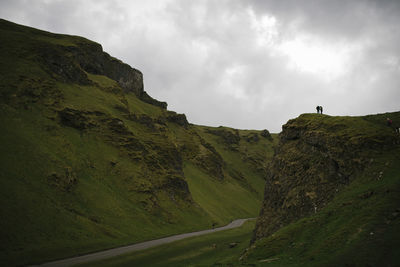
242 63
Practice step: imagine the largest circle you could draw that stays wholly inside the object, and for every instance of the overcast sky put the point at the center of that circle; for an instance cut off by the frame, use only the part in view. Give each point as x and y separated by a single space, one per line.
241 63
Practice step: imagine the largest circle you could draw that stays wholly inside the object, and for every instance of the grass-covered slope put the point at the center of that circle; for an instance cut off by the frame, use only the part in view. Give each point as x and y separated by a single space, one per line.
89 160
356 219
332 195
229 165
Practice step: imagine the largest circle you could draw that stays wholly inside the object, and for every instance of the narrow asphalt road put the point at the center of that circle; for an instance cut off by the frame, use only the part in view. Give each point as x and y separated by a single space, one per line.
139 246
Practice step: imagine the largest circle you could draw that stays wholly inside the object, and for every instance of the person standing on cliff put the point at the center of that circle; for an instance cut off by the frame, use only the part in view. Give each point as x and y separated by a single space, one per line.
318 109
389 122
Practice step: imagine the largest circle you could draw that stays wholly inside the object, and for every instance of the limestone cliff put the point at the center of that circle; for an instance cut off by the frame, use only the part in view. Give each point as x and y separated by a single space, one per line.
69 59
93 59
316 158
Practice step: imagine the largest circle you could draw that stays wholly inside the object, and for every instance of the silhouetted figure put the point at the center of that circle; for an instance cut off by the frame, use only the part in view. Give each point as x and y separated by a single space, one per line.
318 109
321 109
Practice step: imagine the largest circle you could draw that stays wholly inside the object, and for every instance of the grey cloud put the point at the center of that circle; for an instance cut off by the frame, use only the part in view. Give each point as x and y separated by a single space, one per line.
204 59
342 18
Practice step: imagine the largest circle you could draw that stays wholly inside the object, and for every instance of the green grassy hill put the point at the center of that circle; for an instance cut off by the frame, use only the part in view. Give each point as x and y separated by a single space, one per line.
90 161
332 195
331 199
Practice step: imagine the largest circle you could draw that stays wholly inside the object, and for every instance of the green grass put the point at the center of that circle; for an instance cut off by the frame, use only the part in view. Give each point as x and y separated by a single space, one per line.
355 129
208 250
67 191
360 227
44 221
237 202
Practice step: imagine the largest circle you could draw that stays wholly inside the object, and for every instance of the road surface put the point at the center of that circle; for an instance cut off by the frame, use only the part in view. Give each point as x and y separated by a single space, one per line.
136 247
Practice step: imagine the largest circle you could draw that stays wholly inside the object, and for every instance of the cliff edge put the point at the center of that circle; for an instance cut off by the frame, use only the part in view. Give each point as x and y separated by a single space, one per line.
317 157
331 194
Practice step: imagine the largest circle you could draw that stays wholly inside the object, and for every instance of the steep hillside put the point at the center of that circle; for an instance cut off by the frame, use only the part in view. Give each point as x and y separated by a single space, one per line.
89 160
332 194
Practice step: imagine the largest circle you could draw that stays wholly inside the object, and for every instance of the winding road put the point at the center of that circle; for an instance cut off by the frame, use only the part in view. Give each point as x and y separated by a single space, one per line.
138 246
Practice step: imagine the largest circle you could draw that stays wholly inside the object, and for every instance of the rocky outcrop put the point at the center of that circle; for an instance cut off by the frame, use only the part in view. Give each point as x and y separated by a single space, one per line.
179 119
92 59
266 134
252 138
229 137
61 67
148 99
75 118
155 124
177 188
210 160
316 157
69 64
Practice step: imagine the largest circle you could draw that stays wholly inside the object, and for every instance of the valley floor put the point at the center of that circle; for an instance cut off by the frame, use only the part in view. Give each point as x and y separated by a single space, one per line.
139 246
217 249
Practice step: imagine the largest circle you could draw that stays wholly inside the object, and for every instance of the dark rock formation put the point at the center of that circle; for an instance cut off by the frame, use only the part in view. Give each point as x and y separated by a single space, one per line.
76 118
157 124
230 137
148 99
69 63
265 133
61 67
252 138
92 59
210 160
177 188
179 119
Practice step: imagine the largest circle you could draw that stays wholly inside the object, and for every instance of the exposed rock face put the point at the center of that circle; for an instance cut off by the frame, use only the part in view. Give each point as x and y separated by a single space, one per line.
230 137
252 138
316 157
75 118
93 60
148 99
265 133
210 160
157 124
69 64
179 119
61 67
177 187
